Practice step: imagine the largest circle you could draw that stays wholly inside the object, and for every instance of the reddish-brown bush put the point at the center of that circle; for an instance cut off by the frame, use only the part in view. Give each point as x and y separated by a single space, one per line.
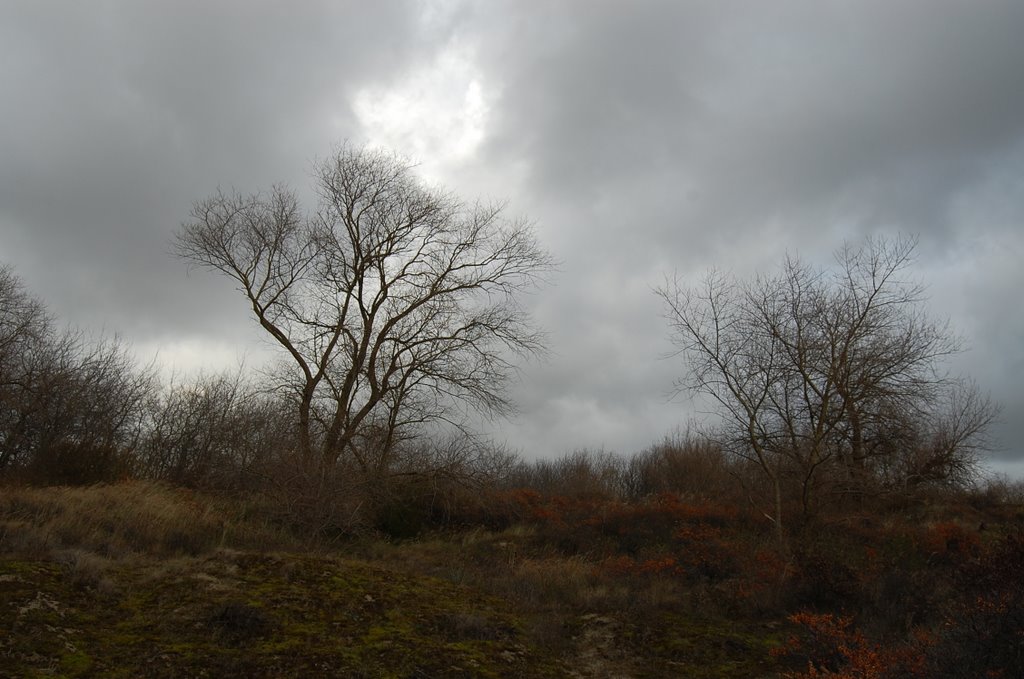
983 634
832 647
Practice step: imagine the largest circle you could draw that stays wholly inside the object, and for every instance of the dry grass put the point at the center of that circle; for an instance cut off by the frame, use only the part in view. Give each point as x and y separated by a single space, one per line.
133 517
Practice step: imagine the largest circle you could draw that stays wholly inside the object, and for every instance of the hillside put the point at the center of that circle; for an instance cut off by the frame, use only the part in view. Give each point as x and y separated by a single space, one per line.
136 579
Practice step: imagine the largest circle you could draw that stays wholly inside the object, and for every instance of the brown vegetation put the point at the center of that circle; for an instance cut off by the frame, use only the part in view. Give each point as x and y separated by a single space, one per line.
582 583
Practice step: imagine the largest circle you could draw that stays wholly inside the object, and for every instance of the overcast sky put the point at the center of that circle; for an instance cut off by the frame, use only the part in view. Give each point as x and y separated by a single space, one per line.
641 137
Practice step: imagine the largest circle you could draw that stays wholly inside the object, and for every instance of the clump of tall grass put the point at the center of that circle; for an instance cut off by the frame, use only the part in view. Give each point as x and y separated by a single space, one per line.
131 517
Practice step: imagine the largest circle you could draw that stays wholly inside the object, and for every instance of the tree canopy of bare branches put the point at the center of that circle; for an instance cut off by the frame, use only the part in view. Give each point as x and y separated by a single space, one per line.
71 408
394 303
837 370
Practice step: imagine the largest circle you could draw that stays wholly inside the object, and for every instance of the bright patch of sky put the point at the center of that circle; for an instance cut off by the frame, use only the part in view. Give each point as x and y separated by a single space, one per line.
437 113
185 358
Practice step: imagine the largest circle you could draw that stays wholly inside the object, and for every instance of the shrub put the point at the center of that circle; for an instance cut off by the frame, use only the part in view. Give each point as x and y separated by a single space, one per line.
983 634
684 464
73 463
832 647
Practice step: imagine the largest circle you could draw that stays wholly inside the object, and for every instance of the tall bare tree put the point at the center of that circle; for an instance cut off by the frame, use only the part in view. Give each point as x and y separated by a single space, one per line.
838 369
394 302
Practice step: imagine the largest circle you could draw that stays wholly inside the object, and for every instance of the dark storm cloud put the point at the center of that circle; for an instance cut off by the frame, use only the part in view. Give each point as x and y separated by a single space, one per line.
117 116
684 135
642 137
760 112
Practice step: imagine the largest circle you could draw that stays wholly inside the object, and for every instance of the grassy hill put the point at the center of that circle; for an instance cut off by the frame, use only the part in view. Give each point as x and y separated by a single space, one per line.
143 580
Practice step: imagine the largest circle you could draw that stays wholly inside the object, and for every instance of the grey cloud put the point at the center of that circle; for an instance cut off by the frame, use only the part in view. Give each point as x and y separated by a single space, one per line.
642 137
686 135
118 116
764 111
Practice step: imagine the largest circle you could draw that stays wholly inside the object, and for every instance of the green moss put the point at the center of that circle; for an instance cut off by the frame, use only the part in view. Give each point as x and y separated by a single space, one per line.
17 567
708 647
322 616
76 663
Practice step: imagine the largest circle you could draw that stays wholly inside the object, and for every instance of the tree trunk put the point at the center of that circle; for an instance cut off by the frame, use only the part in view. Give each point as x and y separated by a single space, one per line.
305 437
780 534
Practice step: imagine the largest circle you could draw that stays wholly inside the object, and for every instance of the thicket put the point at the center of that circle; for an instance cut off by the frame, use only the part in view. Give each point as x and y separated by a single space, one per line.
72 407
77 410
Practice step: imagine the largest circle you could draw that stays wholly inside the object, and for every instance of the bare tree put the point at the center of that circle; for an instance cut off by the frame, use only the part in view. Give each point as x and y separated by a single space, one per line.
89 405
826 369
71 407
947 443
394 303
215 430
25 327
